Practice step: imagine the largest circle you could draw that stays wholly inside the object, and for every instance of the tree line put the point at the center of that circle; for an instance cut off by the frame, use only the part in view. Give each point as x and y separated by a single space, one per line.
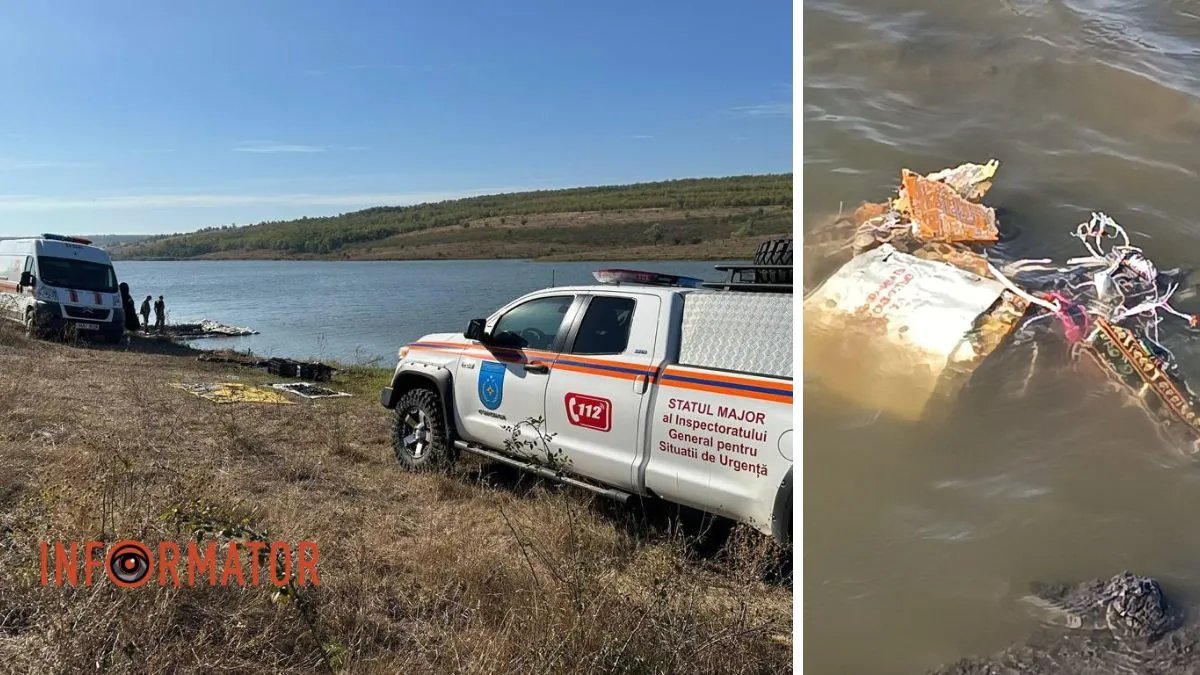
325 235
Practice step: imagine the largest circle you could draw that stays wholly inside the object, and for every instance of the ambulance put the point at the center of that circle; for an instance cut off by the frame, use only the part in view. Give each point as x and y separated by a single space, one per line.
644 385
54 284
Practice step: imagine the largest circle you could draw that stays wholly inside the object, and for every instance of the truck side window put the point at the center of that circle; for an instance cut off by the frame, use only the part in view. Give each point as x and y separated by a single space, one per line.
605 326
532 324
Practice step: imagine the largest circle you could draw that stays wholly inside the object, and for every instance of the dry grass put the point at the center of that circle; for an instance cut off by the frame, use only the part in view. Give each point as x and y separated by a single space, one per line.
476 572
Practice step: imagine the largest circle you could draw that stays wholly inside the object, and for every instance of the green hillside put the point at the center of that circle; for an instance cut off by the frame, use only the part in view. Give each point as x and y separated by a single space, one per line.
696 218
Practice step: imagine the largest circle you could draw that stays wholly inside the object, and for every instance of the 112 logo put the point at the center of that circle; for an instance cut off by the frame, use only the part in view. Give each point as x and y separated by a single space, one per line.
590 412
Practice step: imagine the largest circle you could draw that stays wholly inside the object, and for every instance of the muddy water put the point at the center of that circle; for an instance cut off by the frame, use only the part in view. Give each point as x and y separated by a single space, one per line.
920 538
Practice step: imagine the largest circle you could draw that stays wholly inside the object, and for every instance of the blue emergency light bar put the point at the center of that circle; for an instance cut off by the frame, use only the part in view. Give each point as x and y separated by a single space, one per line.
612 276
63 237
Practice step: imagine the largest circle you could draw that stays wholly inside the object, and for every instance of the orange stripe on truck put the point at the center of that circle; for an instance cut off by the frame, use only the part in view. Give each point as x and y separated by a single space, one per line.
761 389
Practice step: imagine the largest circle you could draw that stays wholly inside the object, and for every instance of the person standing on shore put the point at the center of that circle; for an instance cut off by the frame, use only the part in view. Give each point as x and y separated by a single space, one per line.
160 314
146 314
129 309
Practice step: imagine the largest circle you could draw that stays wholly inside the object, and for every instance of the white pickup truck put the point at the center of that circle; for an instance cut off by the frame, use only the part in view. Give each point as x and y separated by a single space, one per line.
625 388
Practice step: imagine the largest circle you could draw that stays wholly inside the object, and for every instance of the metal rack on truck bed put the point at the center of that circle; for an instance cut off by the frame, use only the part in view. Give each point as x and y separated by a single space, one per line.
747 278
771 271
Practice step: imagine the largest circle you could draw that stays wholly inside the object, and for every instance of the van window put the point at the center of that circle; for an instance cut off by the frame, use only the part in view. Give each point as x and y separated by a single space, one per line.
11 267
532 324
605 326
76 274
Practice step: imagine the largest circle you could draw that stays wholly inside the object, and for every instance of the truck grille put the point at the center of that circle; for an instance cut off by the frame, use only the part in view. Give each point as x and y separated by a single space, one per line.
93 313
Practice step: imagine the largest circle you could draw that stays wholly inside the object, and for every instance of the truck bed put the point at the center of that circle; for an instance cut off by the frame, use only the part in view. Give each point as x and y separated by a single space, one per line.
714 332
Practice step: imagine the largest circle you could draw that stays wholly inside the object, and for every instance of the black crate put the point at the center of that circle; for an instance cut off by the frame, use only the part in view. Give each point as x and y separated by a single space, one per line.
283 367
318 372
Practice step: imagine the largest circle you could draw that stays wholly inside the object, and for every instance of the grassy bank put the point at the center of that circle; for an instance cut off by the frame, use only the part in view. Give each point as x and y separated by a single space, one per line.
480 570
703 218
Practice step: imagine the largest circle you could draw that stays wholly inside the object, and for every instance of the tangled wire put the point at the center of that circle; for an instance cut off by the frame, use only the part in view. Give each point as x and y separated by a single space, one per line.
1118 284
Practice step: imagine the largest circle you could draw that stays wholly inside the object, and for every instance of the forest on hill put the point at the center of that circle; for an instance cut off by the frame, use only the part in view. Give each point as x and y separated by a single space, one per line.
698 217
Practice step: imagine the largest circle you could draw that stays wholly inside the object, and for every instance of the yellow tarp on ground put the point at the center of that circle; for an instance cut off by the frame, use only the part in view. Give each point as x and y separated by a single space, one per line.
232 392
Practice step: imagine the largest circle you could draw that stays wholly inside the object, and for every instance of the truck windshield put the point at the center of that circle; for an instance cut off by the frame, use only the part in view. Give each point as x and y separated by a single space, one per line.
77 274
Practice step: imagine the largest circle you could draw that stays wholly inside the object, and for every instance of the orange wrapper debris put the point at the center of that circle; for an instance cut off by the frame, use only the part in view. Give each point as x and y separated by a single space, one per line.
940 214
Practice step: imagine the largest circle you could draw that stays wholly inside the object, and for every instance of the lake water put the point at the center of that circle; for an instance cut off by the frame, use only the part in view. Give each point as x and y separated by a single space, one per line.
919 539
353 311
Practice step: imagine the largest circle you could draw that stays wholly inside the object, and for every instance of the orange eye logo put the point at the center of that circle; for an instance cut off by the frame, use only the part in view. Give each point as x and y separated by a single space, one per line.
128 564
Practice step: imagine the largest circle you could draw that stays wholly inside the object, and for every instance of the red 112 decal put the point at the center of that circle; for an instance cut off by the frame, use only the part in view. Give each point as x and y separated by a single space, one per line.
590 412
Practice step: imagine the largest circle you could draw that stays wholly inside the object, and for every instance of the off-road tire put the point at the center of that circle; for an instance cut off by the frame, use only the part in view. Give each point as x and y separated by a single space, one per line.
420 439
774 252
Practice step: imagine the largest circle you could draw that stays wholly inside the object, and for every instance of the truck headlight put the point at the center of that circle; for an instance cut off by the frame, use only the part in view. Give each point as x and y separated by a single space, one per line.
45 293
403 352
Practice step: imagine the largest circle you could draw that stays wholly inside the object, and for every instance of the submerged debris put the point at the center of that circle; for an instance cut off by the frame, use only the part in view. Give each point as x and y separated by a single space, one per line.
1109 304
915 311
889 329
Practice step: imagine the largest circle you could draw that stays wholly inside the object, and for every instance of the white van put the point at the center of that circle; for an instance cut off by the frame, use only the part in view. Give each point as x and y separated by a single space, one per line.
53 283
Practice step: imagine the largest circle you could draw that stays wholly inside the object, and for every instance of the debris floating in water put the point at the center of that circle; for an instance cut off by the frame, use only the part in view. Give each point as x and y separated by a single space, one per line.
1121 298
939 213
1108 304
901 326
206 328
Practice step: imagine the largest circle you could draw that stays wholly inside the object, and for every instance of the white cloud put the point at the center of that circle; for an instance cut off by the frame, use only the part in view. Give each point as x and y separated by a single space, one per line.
271 146
764 110
641 137
208 200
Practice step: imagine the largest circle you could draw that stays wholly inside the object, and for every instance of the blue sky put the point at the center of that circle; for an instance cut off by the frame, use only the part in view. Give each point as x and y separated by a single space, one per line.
123 117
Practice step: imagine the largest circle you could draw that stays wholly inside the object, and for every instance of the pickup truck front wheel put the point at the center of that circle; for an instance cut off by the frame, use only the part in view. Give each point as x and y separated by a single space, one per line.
419 436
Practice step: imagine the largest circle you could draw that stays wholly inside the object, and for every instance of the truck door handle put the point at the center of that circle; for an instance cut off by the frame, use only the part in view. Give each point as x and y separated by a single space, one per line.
639 384
537 368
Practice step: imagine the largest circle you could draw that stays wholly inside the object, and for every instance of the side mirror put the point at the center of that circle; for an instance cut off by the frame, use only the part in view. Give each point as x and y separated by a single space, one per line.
475 330
27 279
